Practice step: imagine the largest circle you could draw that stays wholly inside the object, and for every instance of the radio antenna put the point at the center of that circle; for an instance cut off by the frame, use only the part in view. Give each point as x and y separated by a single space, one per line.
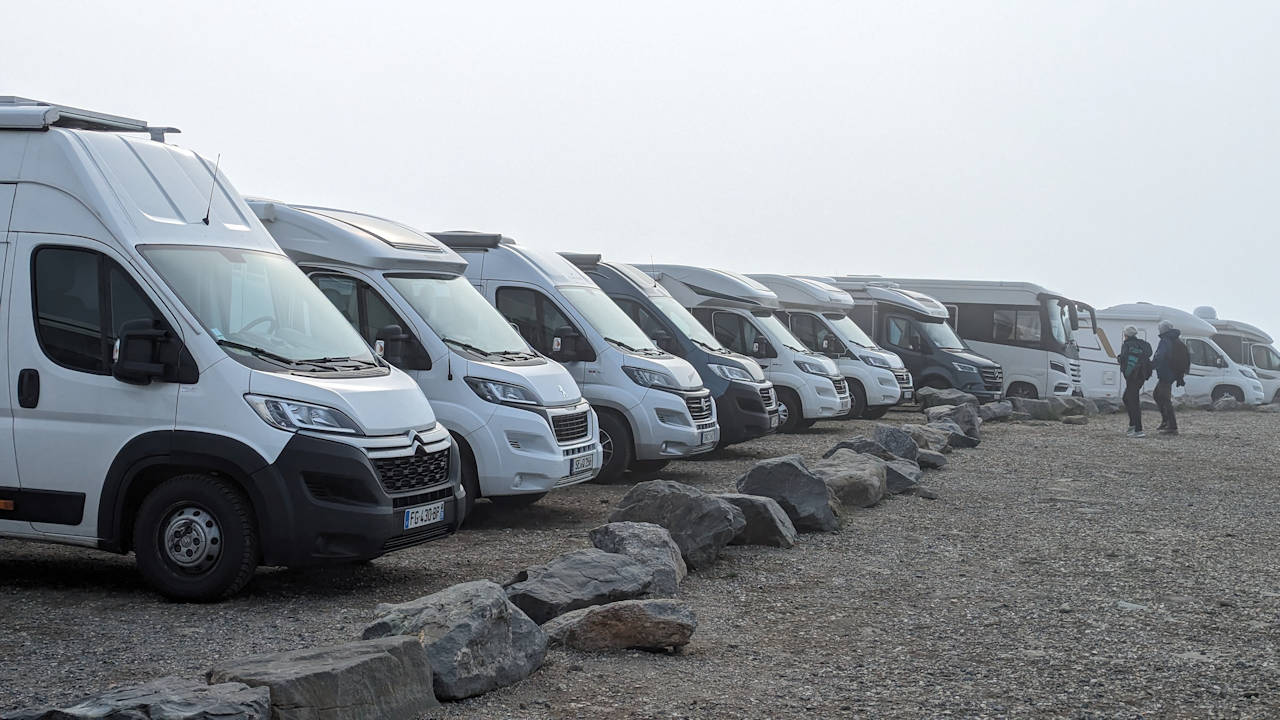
212 186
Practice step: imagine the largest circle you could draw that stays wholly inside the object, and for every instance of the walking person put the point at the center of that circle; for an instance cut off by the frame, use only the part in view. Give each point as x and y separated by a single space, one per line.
1135 366
1172 361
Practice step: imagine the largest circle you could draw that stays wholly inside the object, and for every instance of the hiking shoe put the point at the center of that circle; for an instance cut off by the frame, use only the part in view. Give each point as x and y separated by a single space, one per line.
1129 432
1137 434
1169 431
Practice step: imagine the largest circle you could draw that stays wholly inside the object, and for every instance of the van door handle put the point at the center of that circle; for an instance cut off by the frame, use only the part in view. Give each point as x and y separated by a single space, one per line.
28 388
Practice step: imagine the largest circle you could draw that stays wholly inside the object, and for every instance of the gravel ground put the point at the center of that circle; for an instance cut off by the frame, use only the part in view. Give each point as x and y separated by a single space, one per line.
1063 571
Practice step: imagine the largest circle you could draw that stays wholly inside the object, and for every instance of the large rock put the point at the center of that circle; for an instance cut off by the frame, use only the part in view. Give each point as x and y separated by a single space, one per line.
1075 420
965 416
1069 406
1270 408
475 638
930 397
803 496
995 411
857 479
767 524
1037 409
928 438
384 678
648 544
931 459
901 475
1108 405
578 579
895 440
646 624
701 524
862 444
168 698
956 438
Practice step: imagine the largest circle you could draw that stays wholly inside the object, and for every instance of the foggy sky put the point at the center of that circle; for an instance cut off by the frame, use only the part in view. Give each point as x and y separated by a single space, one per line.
1112 151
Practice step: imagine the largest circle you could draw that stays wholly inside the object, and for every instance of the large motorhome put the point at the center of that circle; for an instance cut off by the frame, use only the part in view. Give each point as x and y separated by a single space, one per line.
1026 328
1248 345
914 326
1213 373
519 420
652 405
746 403
182 390
741 314
818 315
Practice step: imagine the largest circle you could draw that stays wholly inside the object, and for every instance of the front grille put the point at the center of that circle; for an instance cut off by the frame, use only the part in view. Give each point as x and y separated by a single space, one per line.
993 378
580 450
903 377
401 542
842 388
405 501
769 397
413 472
570 427
699 407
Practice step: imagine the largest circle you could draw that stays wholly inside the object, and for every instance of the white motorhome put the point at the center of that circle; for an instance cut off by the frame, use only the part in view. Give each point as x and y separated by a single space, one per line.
1248 345
519 420
817 313
181 390
651 405
741 314
1026 328
1213 373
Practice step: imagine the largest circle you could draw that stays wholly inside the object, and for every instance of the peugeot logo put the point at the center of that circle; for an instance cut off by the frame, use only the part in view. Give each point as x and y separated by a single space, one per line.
562 392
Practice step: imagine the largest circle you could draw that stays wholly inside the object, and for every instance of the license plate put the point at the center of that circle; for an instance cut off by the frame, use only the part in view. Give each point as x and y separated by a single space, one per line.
581 464
773 421
709 436
423 515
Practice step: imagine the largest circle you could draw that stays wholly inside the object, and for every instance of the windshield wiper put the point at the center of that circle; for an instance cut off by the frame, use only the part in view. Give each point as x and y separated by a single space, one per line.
261 352
469 346
708 346
621 344
336 360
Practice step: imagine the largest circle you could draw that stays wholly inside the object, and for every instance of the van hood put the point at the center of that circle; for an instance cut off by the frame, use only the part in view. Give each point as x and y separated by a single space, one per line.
388 405
971 358
822 361
685 375
894 361
550 381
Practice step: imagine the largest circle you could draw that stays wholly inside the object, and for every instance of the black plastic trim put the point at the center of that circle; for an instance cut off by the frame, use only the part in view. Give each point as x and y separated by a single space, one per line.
43 506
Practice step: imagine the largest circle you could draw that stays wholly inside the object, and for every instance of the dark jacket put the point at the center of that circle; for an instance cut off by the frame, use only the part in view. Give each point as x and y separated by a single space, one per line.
1135 359
1164 355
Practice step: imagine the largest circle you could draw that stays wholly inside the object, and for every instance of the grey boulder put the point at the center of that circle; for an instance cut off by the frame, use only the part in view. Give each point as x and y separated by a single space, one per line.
930 397
386 678
931 459
766 524
1075 420
928 438
995 411
1037 409
856 479
577 579
956 437
901 476
475 638
648 544
700 524
965 416
168 698
645 624
1108 405
895 440
803 496
1269 408
864 445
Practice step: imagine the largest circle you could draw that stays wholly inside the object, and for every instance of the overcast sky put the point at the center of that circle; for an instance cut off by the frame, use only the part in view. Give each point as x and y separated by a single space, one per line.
1113 151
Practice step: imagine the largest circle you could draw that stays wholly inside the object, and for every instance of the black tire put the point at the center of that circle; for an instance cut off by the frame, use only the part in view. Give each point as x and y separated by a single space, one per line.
789 409
615 440
648 467
1022 390
875 412
469 477
1224 390
516 501
857 398
806 423
198 515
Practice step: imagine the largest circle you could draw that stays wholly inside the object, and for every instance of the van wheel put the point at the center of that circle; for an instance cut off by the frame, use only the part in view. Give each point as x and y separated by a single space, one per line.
1022 390
469 476
615 446
876 412
1224 390
857 398
194 538
789 409
648 467
516 501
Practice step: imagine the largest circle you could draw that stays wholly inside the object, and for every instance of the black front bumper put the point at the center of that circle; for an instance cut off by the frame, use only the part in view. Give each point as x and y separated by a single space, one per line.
742 416
322 502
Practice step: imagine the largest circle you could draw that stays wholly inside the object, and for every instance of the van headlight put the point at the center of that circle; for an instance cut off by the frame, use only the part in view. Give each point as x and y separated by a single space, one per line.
875 361
650 378
501 393
730 372
812 368
1247 372
965 367
292 416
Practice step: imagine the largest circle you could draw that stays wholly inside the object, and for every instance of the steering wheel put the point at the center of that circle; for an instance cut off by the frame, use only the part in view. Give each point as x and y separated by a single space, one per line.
258 321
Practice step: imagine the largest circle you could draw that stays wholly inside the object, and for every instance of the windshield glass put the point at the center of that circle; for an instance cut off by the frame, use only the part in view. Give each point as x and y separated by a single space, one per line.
774 328
848 330
458 313
257 303
1265 357
1059 320
941 335
687 323
608 319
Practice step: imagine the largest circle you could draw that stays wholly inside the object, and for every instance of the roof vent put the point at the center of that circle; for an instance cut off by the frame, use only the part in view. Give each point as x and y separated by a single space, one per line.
468 239
1205 312
582 260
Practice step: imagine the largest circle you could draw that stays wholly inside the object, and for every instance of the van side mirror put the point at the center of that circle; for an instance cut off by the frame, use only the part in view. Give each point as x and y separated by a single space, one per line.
134 355
1073 313
762 349
568 345
399 348
1218 361
832 346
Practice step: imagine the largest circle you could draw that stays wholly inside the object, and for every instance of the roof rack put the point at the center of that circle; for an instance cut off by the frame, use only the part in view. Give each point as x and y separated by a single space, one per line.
582 260
19 113
468 239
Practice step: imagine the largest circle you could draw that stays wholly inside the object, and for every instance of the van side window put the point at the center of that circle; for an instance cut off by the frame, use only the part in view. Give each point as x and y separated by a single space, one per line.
534 315
1017 326
728 329
1201 354
1265 358
639 314
360 304
900 333
77 323
808 330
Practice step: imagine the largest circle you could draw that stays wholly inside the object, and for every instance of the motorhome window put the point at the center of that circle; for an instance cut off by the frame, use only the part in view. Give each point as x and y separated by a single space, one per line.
454 309
767 322
258 305
1059 320
942 336
71 309
810 330
864 316
534 315
607 318
1016 326
1088 339
360 304
1201 354
848 330
734 332
1265 358
686 323
1232 345
899 332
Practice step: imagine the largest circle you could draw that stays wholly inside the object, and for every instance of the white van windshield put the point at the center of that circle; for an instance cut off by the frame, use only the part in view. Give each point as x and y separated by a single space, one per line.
259 304
774 328
687 323
460 315
942 335
849 330
608 319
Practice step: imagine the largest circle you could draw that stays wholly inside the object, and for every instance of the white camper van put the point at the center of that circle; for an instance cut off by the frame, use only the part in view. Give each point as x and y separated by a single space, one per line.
741 313
1026 328
818 315
651 405
519 421
1213 373
180 389
1248 345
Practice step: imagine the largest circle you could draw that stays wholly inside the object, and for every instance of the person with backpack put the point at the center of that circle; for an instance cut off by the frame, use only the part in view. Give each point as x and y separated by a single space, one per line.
1173 362
1135 366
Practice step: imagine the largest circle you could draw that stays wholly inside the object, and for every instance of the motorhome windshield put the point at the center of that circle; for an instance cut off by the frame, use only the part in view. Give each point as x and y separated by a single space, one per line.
942 336
1265 357
259 305
773 327
848 330
1059 320
460 315
608 319
686 323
